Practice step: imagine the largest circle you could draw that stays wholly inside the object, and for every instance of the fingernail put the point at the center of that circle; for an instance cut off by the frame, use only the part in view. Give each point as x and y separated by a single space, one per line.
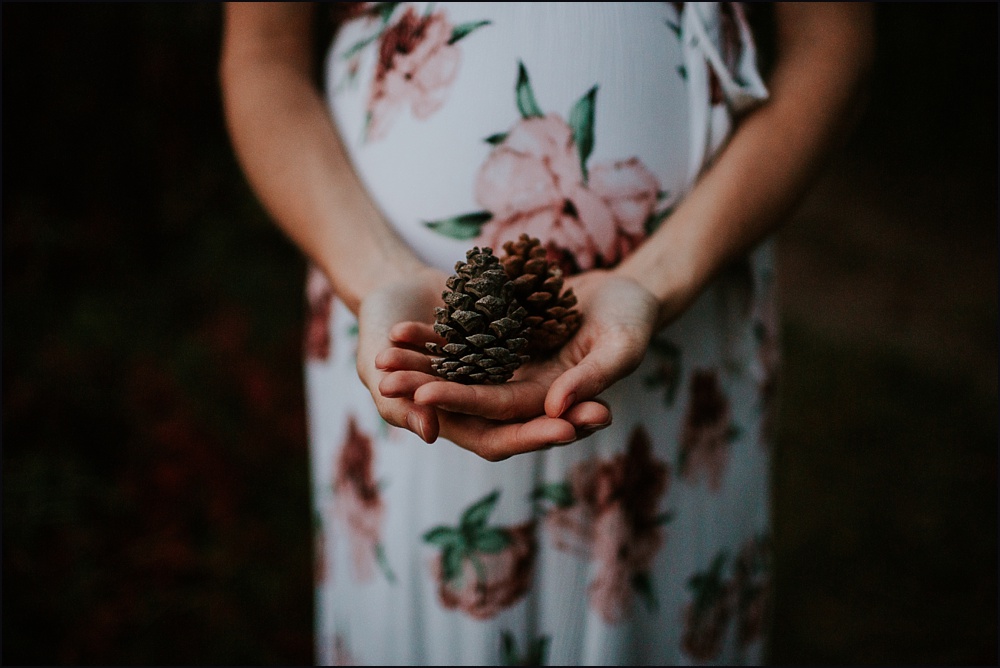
586 430
568 403
595 427
415 425
566 442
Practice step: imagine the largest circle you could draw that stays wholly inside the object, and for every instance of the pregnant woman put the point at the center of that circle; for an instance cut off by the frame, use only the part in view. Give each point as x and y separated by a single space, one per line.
609 505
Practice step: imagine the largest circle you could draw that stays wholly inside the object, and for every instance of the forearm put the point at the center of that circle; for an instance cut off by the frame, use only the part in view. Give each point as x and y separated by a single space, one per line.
824 51
292 155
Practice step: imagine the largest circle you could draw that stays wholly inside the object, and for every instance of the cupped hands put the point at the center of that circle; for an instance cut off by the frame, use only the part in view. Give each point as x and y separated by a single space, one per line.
547 402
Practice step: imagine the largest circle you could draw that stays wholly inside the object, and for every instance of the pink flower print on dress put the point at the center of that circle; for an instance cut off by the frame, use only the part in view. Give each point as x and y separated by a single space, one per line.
535 181
319 304
482 569
624 554
608 512
571 529
570 524
532 184
631 192
418 62
706 432
358 503
628 530
610 592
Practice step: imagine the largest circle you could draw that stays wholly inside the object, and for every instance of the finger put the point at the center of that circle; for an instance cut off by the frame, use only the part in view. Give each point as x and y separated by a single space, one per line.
496 441
588 416
400 411
403 383
593 374
400 359
507 401
413 333
421 420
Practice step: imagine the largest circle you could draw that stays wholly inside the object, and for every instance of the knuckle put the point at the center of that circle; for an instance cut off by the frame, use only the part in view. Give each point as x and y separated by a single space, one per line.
504 405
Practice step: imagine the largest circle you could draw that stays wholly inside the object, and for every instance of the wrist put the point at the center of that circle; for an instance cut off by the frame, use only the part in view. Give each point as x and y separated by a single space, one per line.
671 281
377 267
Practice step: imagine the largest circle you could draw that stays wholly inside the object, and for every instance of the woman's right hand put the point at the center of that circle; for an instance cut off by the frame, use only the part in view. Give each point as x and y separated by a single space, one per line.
396 301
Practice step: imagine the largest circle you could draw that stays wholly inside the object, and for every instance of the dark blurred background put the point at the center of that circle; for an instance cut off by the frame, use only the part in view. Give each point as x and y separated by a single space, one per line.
155 490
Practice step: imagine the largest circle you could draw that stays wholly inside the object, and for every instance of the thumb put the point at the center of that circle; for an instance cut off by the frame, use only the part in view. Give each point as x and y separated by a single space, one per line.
595 372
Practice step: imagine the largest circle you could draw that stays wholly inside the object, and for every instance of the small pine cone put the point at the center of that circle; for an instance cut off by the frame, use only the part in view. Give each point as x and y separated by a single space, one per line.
538 285
482 323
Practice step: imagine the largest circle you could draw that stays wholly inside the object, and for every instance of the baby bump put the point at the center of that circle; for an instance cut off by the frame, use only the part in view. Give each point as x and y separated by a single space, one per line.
471 123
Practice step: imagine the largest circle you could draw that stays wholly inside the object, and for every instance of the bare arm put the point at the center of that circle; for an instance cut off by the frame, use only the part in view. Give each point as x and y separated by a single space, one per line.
824 53
292 154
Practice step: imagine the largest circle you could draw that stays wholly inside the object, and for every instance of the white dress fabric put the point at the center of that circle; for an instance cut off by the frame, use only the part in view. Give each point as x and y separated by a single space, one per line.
582 124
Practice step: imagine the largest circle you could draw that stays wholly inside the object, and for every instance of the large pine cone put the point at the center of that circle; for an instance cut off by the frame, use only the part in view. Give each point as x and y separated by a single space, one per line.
482 322
538 287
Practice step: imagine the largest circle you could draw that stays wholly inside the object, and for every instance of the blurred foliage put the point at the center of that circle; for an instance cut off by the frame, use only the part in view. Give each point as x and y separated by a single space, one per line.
155 469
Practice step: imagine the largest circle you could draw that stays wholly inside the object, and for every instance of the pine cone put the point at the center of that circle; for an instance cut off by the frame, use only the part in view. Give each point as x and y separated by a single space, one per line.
482 322
538 286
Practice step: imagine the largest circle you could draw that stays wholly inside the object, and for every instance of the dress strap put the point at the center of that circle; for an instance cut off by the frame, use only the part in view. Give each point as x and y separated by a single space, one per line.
742 85
705 40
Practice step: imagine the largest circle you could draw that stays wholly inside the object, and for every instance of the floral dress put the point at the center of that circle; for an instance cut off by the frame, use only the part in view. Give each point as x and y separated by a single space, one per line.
582 124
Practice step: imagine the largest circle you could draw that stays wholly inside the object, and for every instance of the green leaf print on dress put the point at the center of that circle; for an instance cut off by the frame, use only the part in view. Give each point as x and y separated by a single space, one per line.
526 102
581 122
464 226
482 569
535 653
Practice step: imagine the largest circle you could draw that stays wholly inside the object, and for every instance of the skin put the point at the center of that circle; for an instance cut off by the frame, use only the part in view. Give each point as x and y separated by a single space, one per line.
297 165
